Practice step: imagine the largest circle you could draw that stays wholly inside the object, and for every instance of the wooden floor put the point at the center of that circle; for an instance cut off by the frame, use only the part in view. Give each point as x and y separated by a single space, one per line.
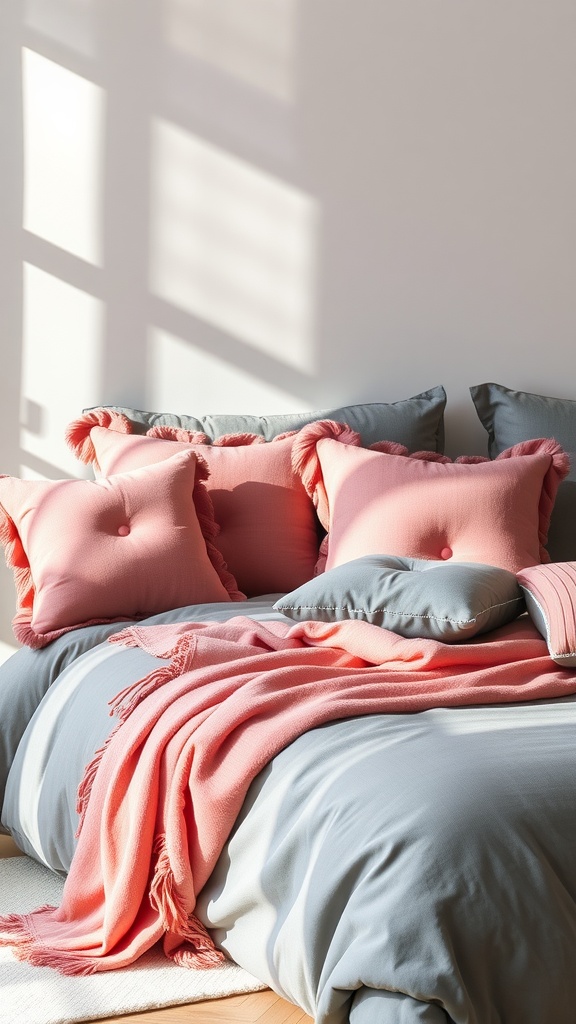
262 1007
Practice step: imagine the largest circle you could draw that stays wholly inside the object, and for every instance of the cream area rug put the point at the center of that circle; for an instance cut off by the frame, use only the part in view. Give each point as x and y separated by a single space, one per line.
39 995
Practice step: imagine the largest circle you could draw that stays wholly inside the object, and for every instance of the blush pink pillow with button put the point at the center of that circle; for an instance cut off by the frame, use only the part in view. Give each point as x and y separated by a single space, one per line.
120 548
389 502
268 533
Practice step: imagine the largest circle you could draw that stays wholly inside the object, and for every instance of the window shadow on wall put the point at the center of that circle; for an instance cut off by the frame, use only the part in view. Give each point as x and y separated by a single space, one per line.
159 248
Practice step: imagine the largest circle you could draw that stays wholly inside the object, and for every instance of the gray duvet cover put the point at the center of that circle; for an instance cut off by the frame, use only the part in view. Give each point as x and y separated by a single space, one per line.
388 869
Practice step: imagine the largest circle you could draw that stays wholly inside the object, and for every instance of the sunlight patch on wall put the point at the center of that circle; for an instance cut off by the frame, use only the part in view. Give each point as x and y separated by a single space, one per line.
251 40
184 379
233 246
62 337
63 157
72 22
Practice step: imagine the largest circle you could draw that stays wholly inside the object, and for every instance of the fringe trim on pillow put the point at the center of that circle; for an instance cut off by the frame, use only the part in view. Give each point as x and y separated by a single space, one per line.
29 638
306 464
320 566
283 436
429 457
77 433
395 448
17 561
237 440
557 471
210 529
25 634
389 448
166 433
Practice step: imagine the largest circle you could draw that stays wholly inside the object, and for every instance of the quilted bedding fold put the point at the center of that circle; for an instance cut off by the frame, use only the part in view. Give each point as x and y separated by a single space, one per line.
171 780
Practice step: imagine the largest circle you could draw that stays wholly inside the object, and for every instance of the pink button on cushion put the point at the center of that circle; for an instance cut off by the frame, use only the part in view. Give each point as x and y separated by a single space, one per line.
62 539
268 532
374 502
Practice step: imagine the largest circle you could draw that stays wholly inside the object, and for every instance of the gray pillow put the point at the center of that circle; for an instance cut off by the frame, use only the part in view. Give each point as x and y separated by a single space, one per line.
414 597
513 416
416 422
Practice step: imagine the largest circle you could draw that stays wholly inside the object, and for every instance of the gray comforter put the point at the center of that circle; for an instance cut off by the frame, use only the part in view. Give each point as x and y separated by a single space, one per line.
388 869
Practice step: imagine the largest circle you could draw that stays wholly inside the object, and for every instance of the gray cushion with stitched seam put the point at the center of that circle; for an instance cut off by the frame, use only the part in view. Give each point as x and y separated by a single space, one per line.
414 597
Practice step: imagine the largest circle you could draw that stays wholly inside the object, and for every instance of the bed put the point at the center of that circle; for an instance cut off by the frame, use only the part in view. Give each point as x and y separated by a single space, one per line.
300 692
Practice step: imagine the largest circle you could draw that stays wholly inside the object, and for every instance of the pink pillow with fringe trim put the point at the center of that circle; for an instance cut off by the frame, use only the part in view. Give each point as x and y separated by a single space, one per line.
268 533
425 506
550 594
130 546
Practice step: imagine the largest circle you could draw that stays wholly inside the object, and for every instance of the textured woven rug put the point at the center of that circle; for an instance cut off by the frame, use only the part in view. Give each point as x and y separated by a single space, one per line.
39 995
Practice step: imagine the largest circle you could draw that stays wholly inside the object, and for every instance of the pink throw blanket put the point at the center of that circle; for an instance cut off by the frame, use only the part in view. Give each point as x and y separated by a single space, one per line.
159 801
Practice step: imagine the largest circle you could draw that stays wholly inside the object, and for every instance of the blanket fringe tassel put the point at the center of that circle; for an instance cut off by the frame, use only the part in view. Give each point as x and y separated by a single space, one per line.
17 932
85 787
125 702
199 950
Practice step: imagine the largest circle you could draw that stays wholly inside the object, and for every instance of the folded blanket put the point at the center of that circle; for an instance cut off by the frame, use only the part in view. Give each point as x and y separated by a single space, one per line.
159 800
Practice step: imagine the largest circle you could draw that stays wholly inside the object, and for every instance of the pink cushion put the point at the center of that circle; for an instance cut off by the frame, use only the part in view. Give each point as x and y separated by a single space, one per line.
373 502
268 530
102 551
550 593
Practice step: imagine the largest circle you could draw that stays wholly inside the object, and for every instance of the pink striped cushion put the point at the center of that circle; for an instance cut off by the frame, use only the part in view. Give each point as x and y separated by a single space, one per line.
550 593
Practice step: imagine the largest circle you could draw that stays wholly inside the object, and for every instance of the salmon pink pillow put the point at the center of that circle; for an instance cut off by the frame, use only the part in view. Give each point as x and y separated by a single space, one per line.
120 548
425 506
268 533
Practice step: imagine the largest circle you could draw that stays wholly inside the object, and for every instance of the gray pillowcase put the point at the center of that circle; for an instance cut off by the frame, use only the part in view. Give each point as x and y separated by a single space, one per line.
414 597
513 416
416 422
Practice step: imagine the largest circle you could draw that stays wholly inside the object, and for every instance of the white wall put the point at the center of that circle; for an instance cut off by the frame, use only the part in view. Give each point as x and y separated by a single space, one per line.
220 205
